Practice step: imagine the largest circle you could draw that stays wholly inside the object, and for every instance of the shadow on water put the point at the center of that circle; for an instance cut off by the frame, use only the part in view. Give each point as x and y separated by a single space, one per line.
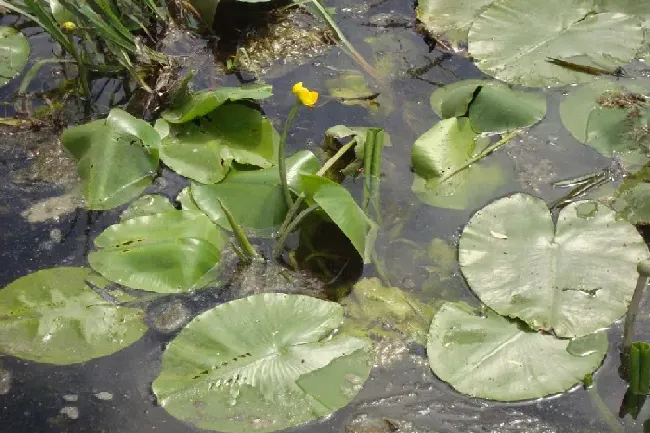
113 394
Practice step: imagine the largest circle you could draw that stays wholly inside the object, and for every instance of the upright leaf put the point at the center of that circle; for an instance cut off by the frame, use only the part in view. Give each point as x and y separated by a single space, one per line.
14 52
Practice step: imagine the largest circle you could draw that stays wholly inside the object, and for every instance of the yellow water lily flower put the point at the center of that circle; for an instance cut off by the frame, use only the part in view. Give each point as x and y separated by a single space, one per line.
304 95
69 25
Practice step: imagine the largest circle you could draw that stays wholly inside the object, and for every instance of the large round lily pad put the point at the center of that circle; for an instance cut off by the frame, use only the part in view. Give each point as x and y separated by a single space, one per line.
53 316
14 52
573 278
512 39
489 356
262 363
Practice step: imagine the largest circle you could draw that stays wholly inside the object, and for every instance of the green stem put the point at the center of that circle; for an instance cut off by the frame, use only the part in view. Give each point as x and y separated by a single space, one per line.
373 149
293 210
643 269
282 163
245 245
291 228
81 67
488 150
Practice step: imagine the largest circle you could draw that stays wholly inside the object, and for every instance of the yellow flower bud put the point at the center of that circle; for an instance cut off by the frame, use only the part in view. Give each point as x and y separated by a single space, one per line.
304 95
69 26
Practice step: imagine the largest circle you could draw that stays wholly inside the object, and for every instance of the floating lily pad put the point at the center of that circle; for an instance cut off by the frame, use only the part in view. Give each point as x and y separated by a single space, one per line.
489 356
490 106
254 197
14 52
450 19
147 205
204 149
117 158
201 103
341 208
386 312
53 316
262 363
612 118
437 156
573 278
632 200
512 39
170 252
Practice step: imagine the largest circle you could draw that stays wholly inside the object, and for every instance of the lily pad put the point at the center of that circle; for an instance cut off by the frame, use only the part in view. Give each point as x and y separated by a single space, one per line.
53 316
14 52
612 118
201 103
254 197
147 205
117 158
170 252
262 363
632 200
572 279
437 156
450 19
204 149
489 356
490 106
386 312
512 39
341 208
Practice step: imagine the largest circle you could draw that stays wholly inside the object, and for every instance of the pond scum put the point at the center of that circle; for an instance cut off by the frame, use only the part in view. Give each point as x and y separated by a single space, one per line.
275 238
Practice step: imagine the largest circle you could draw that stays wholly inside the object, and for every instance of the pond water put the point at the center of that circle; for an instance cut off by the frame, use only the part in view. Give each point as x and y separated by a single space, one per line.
42 227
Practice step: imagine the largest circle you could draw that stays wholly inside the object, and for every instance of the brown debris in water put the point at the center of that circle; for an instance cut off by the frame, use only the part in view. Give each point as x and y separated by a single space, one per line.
622 100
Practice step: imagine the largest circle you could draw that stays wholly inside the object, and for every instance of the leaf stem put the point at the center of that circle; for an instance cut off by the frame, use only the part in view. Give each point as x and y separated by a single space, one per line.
282 163
245 245
643 269
292 226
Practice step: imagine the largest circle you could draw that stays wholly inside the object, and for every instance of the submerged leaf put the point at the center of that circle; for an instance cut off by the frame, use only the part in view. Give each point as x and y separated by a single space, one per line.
572 279
53 316
147 205
450 19
386 312
14 52
488 356
204 149
201 103
512 40
116 158
262 363
339 205
171 252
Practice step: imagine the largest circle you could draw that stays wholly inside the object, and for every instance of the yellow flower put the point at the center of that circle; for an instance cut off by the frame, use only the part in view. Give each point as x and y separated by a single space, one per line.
304 95
69 26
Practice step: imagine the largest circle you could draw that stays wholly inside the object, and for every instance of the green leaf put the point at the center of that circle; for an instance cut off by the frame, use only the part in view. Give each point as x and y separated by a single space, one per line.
612 118
116 158
339 205
206 9
488 356
386 312
147 205
632 200
201 103
262 363
491 106
14 52
254 197
450 19
572 279
512 39
204 150
170 252
60 13
53 316
438 154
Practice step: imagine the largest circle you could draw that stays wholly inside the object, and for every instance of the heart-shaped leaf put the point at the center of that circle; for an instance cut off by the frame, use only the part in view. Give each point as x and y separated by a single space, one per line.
254 197
512 40
262 363
488 356
573 278
204 149
170 252
53 316
116 158
201 103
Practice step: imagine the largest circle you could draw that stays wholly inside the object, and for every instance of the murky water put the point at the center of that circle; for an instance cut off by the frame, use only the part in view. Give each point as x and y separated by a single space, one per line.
113 394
